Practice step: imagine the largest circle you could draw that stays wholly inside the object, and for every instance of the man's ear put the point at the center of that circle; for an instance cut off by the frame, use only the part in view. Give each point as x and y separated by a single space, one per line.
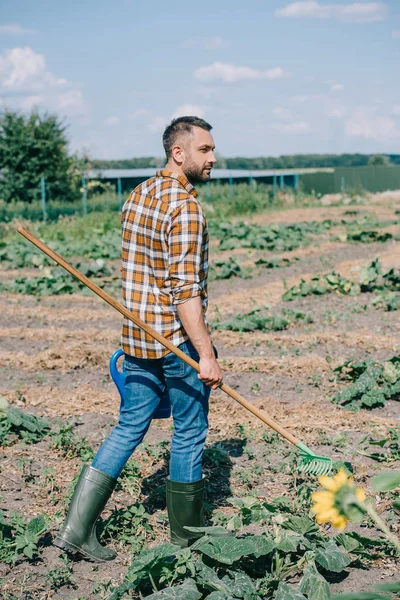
178 154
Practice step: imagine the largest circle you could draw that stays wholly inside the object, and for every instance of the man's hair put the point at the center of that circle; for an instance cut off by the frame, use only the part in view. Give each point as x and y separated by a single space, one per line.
177 127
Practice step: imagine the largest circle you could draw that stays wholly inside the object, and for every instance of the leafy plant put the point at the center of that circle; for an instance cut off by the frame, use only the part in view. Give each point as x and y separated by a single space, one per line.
274 237
321 284
17 424
55 281
386 449
254 321
373 383
130 525
18 536
226 269
61 575
70 445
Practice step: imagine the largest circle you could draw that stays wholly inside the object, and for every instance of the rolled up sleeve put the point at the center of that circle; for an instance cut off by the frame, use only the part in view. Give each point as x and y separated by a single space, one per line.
185 239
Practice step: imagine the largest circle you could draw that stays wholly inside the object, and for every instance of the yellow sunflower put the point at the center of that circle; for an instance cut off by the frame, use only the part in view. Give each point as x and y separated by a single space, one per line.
339 501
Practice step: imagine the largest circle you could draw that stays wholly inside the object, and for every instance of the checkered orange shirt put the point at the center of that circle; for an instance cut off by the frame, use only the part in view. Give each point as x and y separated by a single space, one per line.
164 260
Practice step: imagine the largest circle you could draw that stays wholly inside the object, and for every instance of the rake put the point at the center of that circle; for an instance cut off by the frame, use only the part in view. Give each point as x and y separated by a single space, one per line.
308 461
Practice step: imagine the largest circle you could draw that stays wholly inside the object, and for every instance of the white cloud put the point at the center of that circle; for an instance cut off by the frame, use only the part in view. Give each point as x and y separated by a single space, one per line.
23 69
206 43
307 98
338 112
365 123
396 110
357 12
189 110
15 29
337 87
228 73
30 102
26 82
396 34
111 121
282 113
157 124
71 101
295 127
140 112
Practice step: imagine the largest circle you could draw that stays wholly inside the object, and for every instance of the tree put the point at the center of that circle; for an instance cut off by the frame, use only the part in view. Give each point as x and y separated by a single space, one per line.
379 160
32 146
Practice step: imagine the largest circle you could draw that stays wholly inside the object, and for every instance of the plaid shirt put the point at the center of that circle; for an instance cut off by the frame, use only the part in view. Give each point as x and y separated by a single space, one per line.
164 260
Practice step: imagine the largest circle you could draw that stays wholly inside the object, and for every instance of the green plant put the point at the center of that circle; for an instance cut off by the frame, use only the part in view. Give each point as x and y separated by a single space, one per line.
256 321
17 424
373 383
18 536
386 449
321 284
71 446
130 525
226 269
61 575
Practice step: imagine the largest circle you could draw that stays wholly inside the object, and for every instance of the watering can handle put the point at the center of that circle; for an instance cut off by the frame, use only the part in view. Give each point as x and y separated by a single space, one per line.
118 376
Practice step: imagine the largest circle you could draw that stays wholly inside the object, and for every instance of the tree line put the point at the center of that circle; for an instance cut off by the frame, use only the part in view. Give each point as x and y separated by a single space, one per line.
35 145
293 161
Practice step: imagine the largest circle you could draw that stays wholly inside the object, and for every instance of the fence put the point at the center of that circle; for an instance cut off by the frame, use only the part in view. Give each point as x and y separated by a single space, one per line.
345 179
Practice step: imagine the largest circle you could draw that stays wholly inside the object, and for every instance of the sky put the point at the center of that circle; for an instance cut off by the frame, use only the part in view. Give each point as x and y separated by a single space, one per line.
272 77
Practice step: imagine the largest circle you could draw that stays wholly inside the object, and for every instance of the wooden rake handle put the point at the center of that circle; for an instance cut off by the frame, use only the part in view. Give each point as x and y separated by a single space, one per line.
167 344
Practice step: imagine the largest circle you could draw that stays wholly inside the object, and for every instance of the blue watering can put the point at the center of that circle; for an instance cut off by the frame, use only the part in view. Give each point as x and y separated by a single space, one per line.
163 410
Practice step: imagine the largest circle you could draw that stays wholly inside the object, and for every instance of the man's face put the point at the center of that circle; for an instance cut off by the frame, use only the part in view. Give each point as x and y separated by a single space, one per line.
199 156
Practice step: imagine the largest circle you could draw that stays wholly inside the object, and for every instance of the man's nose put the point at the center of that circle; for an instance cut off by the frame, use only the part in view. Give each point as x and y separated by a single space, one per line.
213 158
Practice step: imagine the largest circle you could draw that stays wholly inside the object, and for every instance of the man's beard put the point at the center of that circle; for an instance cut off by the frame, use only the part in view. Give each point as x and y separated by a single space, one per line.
195 174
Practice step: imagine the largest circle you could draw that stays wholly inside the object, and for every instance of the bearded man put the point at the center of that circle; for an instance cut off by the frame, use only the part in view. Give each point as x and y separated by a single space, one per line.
164 280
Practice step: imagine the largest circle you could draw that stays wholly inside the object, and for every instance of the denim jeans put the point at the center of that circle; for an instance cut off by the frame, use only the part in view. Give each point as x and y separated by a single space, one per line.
145 383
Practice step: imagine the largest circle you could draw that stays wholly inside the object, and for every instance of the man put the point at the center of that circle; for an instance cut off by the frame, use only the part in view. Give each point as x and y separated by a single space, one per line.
164 278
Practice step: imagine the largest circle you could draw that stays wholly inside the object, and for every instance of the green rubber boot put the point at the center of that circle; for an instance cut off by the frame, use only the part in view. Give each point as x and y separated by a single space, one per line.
78 534
185 504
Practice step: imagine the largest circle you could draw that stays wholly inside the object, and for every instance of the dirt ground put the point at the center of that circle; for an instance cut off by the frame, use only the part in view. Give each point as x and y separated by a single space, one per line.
54 355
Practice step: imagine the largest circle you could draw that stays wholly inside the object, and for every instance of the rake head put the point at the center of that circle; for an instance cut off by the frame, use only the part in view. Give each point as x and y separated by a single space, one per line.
312 463
317 465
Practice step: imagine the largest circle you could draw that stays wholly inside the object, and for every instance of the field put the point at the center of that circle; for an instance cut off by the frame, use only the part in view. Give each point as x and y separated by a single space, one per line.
295 293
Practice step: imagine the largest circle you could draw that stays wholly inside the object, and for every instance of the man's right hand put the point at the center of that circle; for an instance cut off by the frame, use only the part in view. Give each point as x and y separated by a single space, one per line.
210 372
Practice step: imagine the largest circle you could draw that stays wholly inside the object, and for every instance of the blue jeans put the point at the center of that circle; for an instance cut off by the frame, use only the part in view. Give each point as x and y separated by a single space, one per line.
145 383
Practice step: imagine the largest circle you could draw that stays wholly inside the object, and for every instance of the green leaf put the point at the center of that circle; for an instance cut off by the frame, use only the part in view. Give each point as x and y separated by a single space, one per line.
288 541
3 407
388 480
331 558
216 531
150 557
240 585
389 587
314 585
228 550
301 525
187 591
37 525
361 596
287 592
208 578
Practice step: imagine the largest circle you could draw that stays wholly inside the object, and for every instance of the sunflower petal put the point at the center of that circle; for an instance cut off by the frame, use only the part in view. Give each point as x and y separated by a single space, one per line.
360 494
340 478
328 482
340 522
323 496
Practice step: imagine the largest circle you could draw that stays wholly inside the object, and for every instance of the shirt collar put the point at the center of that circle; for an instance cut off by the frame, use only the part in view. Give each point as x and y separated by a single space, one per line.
181 178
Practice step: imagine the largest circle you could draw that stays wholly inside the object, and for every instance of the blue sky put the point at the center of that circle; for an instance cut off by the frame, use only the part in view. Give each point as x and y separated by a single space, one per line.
272 77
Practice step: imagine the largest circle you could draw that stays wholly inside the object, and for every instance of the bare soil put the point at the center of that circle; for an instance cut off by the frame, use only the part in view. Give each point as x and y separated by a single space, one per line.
54 357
